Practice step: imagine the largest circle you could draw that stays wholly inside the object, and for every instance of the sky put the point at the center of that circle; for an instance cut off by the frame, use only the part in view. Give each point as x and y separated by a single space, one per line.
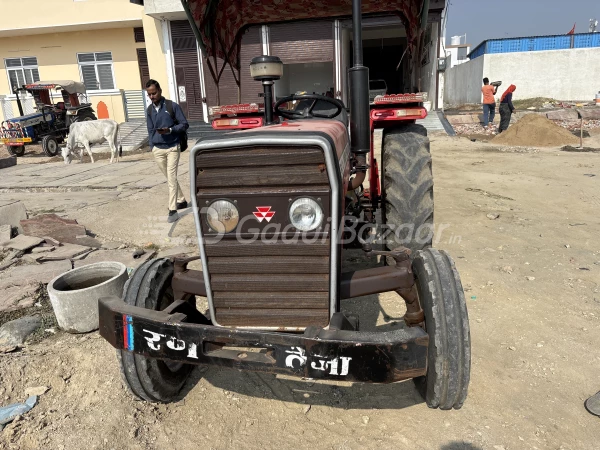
495 19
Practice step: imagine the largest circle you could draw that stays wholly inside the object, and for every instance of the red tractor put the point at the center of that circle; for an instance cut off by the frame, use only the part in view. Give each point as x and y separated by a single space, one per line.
274 208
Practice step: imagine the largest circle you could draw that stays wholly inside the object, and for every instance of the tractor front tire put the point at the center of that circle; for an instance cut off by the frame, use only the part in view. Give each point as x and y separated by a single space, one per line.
50 145
151 379
407 188
442 298
16 150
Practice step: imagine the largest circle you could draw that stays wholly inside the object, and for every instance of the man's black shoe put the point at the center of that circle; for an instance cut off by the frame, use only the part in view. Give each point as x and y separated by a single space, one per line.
182 205
173 216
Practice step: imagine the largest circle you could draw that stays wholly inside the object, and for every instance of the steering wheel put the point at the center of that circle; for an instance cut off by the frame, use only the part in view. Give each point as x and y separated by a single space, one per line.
307 113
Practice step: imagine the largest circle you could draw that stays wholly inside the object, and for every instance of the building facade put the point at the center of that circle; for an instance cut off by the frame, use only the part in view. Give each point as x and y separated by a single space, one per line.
115 46
562 67
316 56
98 42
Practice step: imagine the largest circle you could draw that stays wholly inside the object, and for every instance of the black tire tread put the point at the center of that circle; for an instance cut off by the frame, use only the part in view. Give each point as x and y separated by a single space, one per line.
408 184
13 152
45 140
143 376
449 358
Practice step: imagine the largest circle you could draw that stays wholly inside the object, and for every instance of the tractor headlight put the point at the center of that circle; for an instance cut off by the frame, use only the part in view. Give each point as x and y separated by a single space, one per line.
306 214
222 216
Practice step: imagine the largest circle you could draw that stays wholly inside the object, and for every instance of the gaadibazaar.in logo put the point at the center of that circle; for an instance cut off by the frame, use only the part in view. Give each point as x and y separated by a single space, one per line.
263 213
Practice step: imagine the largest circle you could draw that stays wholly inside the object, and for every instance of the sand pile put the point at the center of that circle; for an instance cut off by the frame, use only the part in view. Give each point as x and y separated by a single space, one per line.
536 131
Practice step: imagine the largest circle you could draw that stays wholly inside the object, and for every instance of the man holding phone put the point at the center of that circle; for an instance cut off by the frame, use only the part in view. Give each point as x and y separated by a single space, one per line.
166 124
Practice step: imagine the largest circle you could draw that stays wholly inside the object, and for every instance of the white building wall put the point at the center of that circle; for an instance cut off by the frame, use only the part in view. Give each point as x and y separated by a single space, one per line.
570 75
428 82
463 83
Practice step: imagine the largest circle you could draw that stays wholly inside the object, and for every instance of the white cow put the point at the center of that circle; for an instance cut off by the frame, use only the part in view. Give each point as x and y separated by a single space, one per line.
91 132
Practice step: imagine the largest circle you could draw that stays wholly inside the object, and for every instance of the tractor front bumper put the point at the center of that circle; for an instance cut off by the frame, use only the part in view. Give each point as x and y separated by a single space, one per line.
182 334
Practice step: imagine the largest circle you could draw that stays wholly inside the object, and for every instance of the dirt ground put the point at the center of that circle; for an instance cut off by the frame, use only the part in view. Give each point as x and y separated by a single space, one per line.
531 278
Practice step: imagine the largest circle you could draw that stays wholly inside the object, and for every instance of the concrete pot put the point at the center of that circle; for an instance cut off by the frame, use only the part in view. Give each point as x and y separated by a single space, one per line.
74 295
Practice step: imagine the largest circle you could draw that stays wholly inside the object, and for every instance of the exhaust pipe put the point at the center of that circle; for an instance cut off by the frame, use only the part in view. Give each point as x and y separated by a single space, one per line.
360 133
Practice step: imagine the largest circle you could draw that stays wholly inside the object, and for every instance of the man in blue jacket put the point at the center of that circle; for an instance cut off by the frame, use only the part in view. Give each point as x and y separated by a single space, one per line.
166 123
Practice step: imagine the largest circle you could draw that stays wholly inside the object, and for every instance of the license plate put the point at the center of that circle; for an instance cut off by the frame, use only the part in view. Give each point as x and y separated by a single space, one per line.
15 141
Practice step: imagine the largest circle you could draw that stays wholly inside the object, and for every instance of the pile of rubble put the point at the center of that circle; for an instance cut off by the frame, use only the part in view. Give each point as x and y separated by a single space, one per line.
35 250
572 125
479 129
474 128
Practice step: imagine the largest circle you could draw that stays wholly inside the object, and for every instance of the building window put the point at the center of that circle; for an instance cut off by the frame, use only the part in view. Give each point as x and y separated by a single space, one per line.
96 70
21 71
138 34
462 53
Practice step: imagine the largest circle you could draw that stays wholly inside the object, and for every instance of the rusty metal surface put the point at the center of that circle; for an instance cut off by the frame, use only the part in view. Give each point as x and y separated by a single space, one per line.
260 156
262 176
248 316
374 281
188 282
271 265
320 354
235 248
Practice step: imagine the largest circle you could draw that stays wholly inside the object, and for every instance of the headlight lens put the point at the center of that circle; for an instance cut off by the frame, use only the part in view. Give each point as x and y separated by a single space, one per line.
306 214
222 216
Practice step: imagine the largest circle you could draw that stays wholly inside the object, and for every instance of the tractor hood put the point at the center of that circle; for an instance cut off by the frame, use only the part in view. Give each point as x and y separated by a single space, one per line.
220 22
72 87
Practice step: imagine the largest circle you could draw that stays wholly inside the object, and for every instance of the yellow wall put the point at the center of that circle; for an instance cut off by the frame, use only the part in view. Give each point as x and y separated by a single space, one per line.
19 14
57 59
156 54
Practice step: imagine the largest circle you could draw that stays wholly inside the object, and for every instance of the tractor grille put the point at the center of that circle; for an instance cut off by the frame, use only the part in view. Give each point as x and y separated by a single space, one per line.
273 282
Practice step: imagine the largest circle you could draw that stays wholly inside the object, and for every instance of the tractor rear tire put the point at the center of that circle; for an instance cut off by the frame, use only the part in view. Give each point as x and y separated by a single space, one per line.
407 188
16 150
50 145
151 379
86 115
447 323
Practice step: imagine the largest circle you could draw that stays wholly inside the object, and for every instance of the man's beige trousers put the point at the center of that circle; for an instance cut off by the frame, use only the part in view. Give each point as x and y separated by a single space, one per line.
168 160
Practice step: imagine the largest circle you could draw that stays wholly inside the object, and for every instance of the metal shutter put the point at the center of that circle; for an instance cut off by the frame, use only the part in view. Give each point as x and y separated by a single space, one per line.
187 71
302 42
251 47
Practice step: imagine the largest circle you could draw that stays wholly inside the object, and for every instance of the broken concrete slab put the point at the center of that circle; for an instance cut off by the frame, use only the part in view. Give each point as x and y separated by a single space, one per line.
22 242
16 331
43 249
17 296
65 251
589 114
461 119
5 233
111 245
41 273
51 241
10 258
182 249
63 230
11 213
122 256
8 162
563 114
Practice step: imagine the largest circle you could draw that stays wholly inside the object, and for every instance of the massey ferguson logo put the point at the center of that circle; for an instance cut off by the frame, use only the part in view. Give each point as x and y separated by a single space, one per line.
264 213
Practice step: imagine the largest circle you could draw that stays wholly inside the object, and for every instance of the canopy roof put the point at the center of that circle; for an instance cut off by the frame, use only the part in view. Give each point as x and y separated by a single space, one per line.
72 87
220 22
